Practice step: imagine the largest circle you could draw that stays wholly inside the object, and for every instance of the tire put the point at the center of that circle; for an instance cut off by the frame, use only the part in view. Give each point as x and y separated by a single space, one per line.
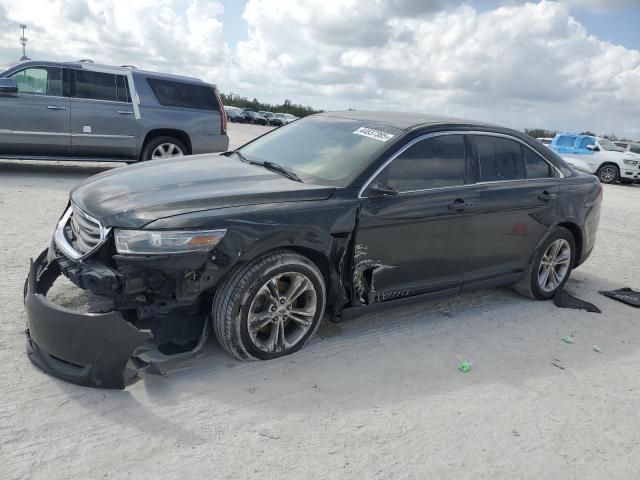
608 173
244 296
531 283
150 148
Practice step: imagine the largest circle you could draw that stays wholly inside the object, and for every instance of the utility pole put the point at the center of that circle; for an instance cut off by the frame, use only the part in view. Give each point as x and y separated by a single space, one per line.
23 42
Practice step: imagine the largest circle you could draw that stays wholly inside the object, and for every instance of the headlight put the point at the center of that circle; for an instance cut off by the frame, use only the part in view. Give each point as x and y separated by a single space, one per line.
150 242
630 162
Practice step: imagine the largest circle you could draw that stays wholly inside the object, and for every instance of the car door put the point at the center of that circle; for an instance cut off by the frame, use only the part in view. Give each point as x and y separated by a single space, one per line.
35 121
103 121
517 196
416 222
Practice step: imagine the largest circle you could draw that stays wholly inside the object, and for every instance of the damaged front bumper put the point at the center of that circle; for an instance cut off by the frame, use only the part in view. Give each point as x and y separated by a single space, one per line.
92 349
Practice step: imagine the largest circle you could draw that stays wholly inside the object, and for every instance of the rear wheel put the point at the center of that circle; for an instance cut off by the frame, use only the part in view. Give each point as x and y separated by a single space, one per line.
608 173
551 266
163 147
269 307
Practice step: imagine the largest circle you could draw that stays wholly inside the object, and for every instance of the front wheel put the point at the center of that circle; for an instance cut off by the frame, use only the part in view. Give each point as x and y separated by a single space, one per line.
551 266
269 307
608 173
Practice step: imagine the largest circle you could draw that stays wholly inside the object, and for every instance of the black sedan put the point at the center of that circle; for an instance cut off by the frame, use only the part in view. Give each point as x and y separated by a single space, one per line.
255 117
234 114
337 214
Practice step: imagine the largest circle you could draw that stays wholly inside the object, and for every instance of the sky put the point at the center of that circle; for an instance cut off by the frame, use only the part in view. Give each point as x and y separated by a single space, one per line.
567 65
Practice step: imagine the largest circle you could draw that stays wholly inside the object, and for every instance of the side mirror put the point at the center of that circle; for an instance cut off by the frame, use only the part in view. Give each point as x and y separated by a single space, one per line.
377 189
593 148
8 86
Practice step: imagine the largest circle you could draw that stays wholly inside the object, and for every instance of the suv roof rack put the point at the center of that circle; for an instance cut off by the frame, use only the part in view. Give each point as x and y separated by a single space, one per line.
132 67
85 60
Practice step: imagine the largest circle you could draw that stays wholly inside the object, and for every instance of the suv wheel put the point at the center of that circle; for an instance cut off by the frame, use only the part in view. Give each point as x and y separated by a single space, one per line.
608 173
551 266
163 147
269 307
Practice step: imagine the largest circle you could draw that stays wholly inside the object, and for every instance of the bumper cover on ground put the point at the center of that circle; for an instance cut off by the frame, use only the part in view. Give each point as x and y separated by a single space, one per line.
93 349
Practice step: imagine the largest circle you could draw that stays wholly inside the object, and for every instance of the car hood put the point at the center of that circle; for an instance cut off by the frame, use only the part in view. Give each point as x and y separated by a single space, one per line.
134 196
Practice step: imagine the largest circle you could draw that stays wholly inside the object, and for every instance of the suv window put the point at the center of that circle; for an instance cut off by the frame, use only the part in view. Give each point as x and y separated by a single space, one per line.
184 95
499 158
536 166
583 143
100 86
566 141
39 81
432 163
634 149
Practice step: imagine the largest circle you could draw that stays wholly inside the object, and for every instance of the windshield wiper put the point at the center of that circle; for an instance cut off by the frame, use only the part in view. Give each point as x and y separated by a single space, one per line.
280 169
271 166
242 157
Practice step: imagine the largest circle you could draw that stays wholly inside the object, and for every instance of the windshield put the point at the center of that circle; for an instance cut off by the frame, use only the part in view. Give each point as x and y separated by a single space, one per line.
608 145
319 149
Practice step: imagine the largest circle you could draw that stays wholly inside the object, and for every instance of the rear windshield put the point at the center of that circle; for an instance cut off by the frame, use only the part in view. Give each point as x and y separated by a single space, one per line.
319 149
184 95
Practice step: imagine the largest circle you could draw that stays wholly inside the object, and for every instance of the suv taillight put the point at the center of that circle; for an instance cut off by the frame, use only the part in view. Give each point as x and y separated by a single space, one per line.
223 114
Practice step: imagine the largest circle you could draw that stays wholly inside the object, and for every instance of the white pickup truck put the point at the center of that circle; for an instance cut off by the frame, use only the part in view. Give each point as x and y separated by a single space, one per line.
599 155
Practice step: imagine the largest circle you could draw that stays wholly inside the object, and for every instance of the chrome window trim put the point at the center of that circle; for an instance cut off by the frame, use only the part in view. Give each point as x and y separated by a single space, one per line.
456 132
61 241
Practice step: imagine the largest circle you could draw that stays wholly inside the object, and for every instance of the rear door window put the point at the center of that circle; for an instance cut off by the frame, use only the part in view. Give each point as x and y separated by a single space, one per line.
95 85
536 166
432 163
499 159
122 87
39 81
184 95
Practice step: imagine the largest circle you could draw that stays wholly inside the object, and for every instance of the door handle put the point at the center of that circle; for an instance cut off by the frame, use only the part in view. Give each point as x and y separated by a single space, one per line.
459 205
56 107
546 196
124 112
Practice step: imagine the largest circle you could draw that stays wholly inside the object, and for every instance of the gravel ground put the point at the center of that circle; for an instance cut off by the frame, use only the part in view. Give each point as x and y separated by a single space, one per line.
379 397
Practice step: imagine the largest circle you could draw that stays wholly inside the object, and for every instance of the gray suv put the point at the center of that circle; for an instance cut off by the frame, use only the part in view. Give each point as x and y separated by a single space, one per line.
84 111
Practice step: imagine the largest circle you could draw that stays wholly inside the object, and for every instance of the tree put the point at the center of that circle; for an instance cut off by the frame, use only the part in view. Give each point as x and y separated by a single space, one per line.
287 106
539 133
610 136
591 134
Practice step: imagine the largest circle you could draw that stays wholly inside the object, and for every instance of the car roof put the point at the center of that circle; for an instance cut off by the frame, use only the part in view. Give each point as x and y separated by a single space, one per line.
402 120
123 69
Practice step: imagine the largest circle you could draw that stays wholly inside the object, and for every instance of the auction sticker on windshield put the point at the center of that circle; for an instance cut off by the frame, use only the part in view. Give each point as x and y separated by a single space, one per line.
372 133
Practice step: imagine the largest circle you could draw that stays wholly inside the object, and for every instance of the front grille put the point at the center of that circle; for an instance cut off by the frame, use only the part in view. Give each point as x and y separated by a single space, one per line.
85 231
79 234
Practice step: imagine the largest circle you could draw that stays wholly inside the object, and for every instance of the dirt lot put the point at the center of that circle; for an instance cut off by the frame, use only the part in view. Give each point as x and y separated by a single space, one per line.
379 397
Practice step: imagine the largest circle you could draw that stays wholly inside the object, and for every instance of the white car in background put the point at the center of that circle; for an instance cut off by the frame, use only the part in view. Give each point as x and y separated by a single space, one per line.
545 140
602 157
286 117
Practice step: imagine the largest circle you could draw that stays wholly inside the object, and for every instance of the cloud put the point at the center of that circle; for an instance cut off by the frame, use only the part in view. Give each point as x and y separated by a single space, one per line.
175 36
522 64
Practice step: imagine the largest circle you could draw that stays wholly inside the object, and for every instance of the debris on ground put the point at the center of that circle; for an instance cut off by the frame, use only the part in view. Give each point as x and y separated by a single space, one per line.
596 348
624 295
563 299
567 339
464 366
556 362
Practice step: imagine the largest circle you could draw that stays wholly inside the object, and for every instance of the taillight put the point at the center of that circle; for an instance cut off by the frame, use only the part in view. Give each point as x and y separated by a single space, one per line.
223 114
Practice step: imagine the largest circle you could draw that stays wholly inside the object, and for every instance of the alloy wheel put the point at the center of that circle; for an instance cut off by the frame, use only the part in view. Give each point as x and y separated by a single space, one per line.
607 174
282 312
166 150
554 265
